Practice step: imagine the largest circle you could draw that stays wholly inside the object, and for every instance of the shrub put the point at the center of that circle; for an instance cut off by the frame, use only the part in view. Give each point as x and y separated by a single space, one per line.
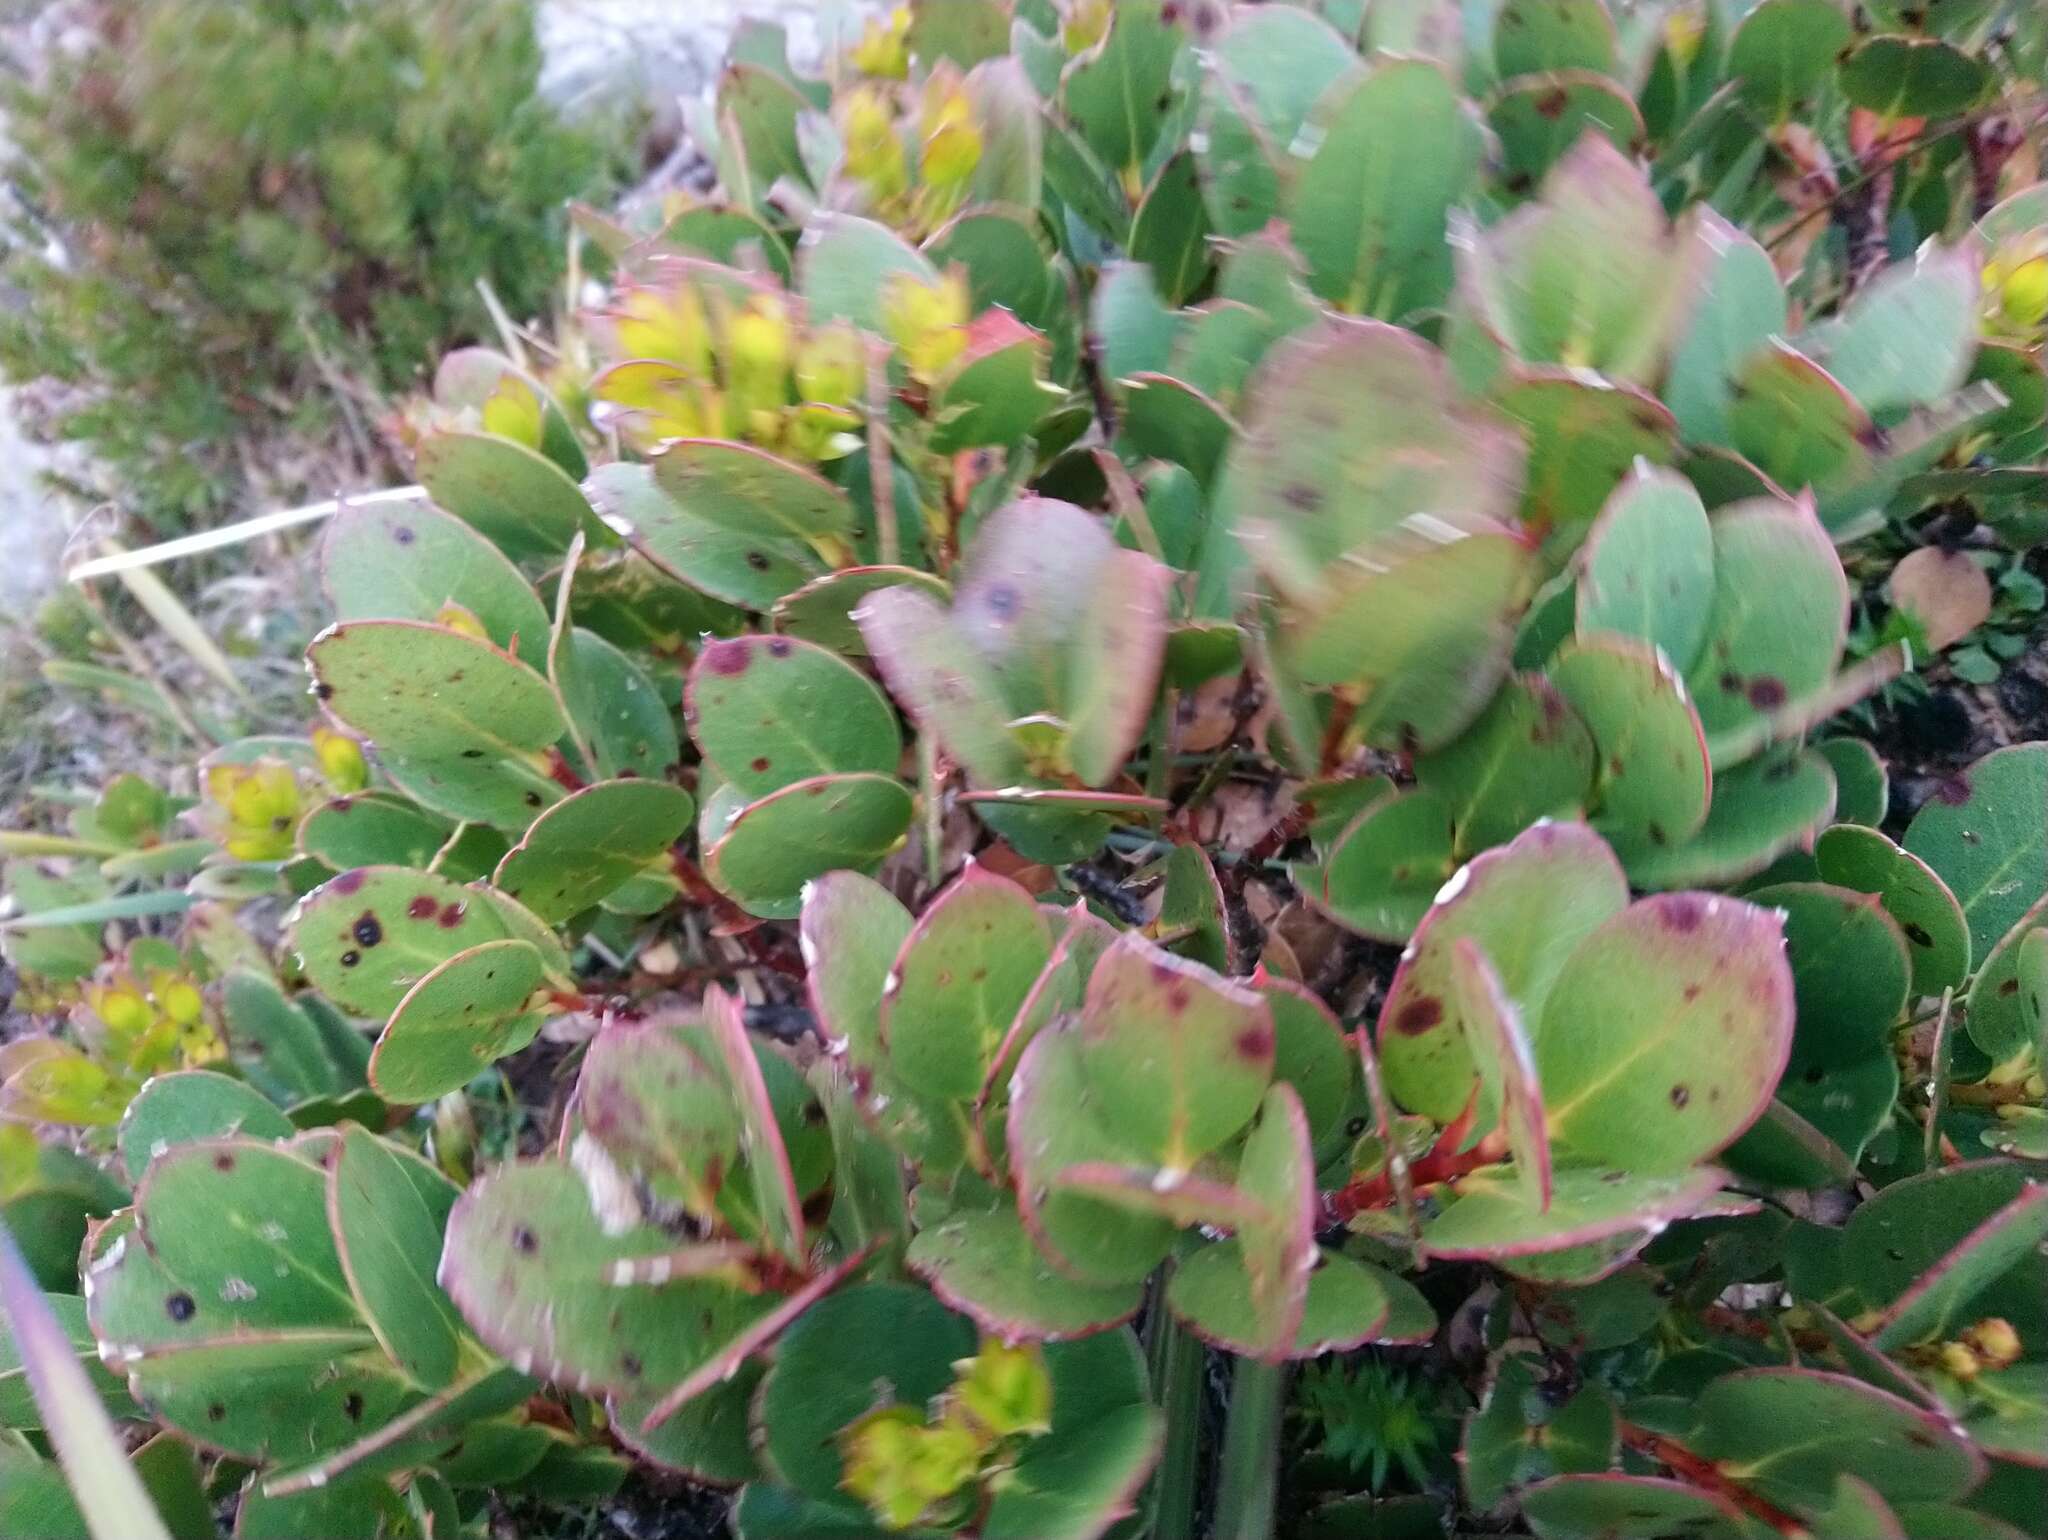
1261 754
255 207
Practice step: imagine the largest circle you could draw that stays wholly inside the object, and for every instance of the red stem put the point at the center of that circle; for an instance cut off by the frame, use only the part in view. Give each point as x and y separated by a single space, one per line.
1704 1473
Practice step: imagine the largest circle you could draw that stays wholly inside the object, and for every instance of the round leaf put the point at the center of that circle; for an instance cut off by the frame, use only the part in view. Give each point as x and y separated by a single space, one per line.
1666 1032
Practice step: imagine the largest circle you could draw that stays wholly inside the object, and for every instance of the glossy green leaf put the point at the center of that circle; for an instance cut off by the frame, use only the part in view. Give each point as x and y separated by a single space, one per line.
772 847
463 1015
1527 904
193 1104
1384 869
426 690
1653 781
397 562
1928 916
519 500
389 1242
770 710
1982 834
1693 984
1647 568
1393 155
585 846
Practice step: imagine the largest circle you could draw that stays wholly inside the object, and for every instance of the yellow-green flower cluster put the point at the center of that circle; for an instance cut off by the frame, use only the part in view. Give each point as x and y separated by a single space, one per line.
130 1025
912 163
2016 289
703 362
911 1466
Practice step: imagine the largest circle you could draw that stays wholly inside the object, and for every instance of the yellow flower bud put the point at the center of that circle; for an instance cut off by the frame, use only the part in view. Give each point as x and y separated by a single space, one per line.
830 367
458 617
177 997
1958 1360
883 49
513 411
261 804
927 322
665 324
1684 31
758 342
1994 1342
1006 1389
2023 297
122 1007
341 760
950 143
1087 21
874 154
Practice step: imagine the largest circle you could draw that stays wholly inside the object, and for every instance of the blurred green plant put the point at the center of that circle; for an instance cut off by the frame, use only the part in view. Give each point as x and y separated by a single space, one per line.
243 222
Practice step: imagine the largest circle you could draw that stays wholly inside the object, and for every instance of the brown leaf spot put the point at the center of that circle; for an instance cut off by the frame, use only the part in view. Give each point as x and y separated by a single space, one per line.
421 908
1551 104
451 914
348 882
1255 1043
1302 496
760 763
224 1161
1419 1015
1954 791
1766 692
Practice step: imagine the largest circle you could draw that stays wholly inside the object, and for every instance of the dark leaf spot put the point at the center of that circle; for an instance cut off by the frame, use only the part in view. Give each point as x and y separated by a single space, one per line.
351 958
1680 1095
1917 934
402 533
1766 693
352 1406
1419 1015
179 1306
215 1411
367 930
728 658
524 1240
1682 913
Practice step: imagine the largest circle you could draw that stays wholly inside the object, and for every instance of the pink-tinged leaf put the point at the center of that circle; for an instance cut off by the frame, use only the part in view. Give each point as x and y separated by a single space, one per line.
1119 648
1935 1302
1527 904
954 991
1277 1172
945 688
1797 1429
1057 990
1178 1056
1567 1507
1185 1200
1494 1217
753 1337
985 1265
775 1193
1666 1032
1507 1069
109 1495
733 1262
849 933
